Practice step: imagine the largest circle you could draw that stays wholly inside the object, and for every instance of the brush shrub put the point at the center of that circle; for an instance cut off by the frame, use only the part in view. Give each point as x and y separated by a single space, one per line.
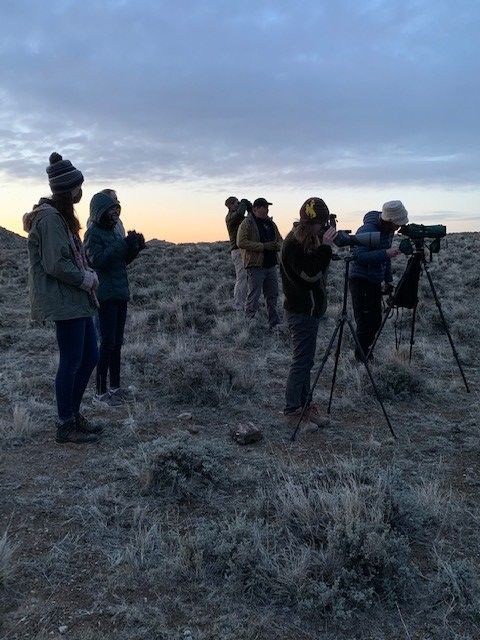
183 468
396 380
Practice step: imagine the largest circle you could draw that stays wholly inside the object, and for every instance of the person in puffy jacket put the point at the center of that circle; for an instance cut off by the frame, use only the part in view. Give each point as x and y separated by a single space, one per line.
62 289
304 261
109 253
371 270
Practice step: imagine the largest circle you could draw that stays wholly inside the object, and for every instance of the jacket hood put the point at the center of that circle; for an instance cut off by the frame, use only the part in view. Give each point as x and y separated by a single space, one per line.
372 217
100 203
371 222
38 212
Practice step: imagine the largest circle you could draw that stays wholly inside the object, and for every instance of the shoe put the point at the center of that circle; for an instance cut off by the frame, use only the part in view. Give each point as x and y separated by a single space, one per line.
108 399
123 394
293 417
68 432
85 426
313 415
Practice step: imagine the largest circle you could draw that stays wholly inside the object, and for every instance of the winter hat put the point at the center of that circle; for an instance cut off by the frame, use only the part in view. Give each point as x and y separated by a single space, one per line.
62 175
394 212
314 210
99 204
230 200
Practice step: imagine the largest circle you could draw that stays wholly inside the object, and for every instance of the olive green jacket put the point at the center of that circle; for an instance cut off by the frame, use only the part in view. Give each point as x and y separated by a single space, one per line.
248 241
53 276
233 220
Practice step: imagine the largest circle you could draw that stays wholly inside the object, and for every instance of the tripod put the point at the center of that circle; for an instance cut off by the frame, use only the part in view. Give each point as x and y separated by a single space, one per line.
339 331
414 266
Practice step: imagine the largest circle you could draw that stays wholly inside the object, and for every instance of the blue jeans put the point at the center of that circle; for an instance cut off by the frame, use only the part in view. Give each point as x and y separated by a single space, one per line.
78 356
112 316
303 332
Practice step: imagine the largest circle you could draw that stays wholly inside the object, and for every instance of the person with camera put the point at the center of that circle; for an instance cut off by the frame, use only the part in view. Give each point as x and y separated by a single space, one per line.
62 289
109 253
370 271
233 219
305 258
260 241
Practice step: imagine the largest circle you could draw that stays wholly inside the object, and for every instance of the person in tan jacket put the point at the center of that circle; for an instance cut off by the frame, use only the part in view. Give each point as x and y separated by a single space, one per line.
260 241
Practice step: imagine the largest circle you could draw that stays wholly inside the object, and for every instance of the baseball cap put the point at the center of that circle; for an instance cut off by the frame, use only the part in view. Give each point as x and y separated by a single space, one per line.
261 202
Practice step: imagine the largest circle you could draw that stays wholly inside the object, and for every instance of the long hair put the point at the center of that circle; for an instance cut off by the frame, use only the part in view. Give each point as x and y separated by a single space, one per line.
304 233
64 205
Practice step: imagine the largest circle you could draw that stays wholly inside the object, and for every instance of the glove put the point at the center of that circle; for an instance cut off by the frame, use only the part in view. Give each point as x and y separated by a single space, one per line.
141 242
272 245
133 240
90 281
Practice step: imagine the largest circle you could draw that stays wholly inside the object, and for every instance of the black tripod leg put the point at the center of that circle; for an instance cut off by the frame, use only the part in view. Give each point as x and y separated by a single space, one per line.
412 333
386 315
445 326
335 366
340 324
364 360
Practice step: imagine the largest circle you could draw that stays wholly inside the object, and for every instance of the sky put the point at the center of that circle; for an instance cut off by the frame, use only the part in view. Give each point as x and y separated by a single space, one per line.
178 105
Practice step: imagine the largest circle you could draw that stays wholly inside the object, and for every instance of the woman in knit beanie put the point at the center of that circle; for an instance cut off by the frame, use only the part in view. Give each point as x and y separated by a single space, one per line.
63 289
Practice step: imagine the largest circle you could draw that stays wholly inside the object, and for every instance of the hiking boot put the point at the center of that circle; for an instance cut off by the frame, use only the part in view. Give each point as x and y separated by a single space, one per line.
313 415
68 432
108 399
85 426
293 417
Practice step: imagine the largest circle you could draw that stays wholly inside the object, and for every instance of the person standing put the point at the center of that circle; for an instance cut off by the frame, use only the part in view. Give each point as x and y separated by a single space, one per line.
305 258
109 253
233 219
62 289
260 241
371 268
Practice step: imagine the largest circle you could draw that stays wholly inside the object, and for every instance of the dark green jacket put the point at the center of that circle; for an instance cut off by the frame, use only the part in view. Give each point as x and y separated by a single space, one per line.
304 277
53 275
108 255
233 220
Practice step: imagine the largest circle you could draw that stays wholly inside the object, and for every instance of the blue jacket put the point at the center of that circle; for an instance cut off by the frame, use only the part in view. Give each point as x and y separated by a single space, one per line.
372 264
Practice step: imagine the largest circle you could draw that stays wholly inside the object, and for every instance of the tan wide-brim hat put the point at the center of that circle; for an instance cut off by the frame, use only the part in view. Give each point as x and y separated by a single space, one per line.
394 211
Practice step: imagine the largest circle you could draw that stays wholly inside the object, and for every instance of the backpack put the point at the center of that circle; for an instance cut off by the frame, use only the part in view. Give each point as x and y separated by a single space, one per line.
406 291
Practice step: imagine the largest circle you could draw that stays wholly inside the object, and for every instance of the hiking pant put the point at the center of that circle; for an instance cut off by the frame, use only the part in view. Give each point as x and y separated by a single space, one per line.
77 343
112 316
240 290
367 309
303 333
262 279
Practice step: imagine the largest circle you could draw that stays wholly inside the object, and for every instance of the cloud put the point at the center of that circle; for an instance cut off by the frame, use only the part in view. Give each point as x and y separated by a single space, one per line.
350 93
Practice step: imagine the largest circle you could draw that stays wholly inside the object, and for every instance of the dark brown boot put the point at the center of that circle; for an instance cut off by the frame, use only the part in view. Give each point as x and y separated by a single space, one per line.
67 432
85 426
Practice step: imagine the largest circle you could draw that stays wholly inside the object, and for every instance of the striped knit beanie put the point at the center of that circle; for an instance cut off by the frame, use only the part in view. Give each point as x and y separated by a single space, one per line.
62 175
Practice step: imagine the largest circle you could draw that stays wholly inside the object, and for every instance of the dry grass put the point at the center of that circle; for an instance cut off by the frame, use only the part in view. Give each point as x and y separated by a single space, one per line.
158 533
